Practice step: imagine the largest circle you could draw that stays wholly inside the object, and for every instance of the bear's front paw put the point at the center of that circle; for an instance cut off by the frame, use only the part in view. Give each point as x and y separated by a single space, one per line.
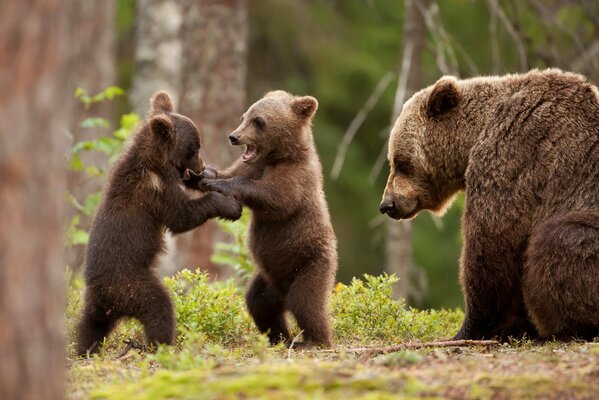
215 185
232 210
208 173
192 180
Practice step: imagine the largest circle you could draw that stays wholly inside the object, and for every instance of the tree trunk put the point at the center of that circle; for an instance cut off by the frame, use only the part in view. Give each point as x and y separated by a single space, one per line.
33 118
215 36
208 84
399 233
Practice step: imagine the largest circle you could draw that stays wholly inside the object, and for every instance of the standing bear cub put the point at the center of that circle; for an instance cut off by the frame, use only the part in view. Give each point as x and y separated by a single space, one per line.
143 197
279 177
525 148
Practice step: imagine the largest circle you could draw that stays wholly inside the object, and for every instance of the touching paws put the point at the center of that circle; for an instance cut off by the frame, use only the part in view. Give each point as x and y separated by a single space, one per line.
228 208
216 185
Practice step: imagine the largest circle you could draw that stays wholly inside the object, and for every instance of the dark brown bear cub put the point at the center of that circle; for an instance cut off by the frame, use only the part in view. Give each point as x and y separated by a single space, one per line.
143 197
525 148
279 177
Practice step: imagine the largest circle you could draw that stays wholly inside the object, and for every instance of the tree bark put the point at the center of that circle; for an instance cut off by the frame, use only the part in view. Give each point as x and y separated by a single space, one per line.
33 118
215 37
208 85
398 249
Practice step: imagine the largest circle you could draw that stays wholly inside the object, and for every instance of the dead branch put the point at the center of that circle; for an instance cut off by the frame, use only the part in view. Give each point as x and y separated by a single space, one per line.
447 343
357 122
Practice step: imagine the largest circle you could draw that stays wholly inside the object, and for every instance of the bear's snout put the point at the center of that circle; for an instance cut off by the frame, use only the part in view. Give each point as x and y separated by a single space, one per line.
234 139
386 206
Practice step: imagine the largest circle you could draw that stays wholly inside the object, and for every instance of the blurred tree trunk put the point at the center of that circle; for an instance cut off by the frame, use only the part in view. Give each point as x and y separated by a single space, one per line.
213 95
158 65
33 118
398 249
91 67
207 84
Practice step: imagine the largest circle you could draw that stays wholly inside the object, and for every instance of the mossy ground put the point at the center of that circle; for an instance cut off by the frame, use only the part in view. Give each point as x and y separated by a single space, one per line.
220 356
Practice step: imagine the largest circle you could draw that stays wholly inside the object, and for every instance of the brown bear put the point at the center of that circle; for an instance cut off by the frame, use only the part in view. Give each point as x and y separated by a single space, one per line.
143 197
279 177
525 149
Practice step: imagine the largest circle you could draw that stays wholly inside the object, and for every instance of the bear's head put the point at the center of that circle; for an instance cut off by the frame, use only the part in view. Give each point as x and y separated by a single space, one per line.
176 136
424 172
273 128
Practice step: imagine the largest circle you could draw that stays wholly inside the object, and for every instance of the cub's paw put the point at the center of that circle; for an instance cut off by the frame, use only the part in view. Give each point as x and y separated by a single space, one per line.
192 180
215 185
231 209
208 173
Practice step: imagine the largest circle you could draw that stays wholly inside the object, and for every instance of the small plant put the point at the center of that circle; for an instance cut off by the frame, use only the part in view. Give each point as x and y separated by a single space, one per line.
235 255
110 145
216 310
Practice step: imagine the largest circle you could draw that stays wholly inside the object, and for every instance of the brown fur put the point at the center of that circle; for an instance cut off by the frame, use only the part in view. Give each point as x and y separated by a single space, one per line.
143 197
525 148
291 237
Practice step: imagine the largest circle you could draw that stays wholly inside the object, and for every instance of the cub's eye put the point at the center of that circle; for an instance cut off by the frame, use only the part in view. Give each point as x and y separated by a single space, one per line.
259 122
402 167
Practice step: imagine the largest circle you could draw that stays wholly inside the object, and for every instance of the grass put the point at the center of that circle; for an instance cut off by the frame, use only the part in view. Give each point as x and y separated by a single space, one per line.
219 355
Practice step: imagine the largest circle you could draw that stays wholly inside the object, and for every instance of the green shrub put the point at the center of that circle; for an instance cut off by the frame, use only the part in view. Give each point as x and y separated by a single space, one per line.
217 310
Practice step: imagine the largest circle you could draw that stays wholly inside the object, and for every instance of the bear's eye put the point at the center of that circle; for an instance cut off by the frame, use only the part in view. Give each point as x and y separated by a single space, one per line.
259 122
402 167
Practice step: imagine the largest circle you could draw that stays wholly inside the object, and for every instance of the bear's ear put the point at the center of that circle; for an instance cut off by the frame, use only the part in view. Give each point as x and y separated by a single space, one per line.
162 129
162 102
444 97
304 106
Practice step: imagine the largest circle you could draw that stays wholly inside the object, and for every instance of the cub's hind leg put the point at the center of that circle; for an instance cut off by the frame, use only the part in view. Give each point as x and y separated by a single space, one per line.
267 308
308 300
96 323
152 306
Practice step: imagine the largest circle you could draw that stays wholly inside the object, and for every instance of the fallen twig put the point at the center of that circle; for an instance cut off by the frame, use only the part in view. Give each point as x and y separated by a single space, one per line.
368 352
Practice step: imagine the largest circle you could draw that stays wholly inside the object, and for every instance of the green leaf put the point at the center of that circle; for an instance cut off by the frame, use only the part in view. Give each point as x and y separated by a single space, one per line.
96 122
112 91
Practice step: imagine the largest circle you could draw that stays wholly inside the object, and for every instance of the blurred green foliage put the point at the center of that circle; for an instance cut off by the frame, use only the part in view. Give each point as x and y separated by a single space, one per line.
111 145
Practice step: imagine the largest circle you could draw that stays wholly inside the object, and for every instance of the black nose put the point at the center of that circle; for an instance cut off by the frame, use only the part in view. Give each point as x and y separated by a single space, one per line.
386 206
234 139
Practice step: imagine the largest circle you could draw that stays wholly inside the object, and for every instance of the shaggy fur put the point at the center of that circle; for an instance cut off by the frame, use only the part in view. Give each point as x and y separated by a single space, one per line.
279 177
143 197
525 148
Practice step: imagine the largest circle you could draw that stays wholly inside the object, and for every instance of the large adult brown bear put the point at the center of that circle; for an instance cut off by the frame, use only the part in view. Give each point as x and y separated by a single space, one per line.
525 148
143 198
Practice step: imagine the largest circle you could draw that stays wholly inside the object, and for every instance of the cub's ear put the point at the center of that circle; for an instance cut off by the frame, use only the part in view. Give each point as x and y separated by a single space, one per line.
162 102
162 128
304 106
444 97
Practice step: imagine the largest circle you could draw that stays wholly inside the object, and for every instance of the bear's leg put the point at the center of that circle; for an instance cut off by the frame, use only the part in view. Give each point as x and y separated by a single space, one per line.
267 308
491 281
561 277
95 324
153 307
308 302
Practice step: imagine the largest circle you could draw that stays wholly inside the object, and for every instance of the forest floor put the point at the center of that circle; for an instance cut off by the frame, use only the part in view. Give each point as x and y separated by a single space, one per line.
521 371
219 355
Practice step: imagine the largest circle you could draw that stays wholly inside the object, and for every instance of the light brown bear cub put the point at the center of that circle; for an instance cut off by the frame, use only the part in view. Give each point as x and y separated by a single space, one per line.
279 177
525 148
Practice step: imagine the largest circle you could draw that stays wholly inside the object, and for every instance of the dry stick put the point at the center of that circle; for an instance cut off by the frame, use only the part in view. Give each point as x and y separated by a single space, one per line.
357 123
368 352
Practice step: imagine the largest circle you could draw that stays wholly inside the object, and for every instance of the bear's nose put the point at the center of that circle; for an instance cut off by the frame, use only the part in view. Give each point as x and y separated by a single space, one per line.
386 206
234 139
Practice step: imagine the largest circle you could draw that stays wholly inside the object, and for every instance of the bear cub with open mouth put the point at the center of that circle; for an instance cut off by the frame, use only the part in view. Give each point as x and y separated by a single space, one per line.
279 177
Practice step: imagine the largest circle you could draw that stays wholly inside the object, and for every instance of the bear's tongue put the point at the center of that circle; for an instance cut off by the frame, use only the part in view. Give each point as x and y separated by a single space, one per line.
250 152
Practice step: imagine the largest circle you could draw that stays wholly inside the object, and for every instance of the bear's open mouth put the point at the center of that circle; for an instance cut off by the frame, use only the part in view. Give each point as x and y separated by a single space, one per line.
250 152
